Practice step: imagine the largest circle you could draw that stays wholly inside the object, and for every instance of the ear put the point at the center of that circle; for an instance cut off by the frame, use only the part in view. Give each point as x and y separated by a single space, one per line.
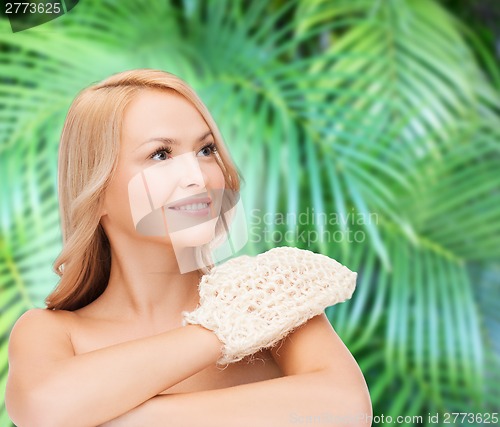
104 217
102 207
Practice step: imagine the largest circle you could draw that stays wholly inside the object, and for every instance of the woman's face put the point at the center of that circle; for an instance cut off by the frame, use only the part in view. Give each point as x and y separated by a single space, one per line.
168 184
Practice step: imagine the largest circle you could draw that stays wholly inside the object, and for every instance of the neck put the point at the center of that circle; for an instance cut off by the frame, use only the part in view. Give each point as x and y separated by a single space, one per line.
146 283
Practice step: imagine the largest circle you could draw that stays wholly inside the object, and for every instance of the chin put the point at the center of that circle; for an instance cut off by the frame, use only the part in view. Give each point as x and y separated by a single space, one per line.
194 236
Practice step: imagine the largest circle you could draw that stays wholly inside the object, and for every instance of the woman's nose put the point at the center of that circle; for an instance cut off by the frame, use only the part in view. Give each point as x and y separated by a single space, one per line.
191 173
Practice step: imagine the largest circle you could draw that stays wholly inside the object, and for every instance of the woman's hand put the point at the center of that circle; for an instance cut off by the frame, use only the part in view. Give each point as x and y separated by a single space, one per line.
253 302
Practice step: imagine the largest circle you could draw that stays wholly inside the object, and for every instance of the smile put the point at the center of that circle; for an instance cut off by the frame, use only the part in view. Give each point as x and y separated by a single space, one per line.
191 207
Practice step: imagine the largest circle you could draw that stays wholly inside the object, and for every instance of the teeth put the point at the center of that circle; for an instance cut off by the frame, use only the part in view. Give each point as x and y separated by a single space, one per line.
192 207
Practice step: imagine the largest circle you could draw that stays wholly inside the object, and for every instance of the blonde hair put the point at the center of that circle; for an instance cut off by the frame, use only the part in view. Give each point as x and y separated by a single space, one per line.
88 154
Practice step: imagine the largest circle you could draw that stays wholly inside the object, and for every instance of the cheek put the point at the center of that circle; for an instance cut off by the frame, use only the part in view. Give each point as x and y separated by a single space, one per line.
214 176
148 191
116 192
159 183
116 201
139 199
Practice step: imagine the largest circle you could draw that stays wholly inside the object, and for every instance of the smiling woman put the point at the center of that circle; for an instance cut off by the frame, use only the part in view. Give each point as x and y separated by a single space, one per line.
143 185
104 130
173 182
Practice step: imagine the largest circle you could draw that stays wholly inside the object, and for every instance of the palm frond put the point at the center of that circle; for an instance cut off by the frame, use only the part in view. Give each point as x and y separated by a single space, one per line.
376 112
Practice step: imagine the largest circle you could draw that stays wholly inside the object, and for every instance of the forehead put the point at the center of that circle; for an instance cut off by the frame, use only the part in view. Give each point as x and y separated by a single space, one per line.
161 113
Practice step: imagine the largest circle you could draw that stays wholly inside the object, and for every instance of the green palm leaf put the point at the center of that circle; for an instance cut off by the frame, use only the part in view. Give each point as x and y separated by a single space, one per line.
346 107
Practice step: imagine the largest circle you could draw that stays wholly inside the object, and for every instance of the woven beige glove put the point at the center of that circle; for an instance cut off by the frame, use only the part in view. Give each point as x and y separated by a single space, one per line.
251 303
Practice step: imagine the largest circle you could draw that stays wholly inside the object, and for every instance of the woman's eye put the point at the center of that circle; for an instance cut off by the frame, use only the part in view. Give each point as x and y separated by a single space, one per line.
208 150
161 154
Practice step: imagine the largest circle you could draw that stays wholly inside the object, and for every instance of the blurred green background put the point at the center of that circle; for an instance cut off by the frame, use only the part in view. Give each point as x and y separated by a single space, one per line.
381 116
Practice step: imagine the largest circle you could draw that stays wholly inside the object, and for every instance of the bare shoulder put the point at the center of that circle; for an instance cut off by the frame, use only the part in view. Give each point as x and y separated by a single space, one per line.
41 331
313 346
40 319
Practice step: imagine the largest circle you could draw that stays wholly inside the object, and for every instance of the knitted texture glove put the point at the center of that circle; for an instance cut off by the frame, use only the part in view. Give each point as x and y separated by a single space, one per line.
251 303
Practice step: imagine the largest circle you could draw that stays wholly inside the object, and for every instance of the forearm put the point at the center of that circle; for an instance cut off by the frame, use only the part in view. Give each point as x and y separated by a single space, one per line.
278 402
94 387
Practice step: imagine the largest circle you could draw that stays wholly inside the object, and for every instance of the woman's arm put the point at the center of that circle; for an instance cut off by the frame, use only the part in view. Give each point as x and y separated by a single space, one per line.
323 385
49 386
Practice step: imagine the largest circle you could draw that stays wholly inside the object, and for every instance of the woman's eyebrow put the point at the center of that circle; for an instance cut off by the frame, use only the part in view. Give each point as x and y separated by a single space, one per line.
171 141
209 133
165 140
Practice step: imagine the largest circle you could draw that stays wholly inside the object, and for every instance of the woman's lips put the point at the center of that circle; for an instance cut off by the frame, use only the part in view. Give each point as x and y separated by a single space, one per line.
192 207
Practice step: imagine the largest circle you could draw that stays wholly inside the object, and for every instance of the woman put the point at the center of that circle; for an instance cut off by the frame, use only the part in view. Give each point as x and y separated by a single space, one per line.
111 348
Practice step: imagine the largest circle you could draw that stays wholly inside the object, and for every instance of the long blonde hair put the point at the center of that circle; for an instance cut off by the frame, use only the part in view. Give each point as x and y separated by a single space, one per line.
88 154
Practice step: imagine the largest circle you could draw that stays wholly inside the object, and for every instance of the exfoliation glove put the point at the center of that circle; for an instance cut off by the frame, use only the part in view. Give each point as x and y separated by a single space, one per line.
251 303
